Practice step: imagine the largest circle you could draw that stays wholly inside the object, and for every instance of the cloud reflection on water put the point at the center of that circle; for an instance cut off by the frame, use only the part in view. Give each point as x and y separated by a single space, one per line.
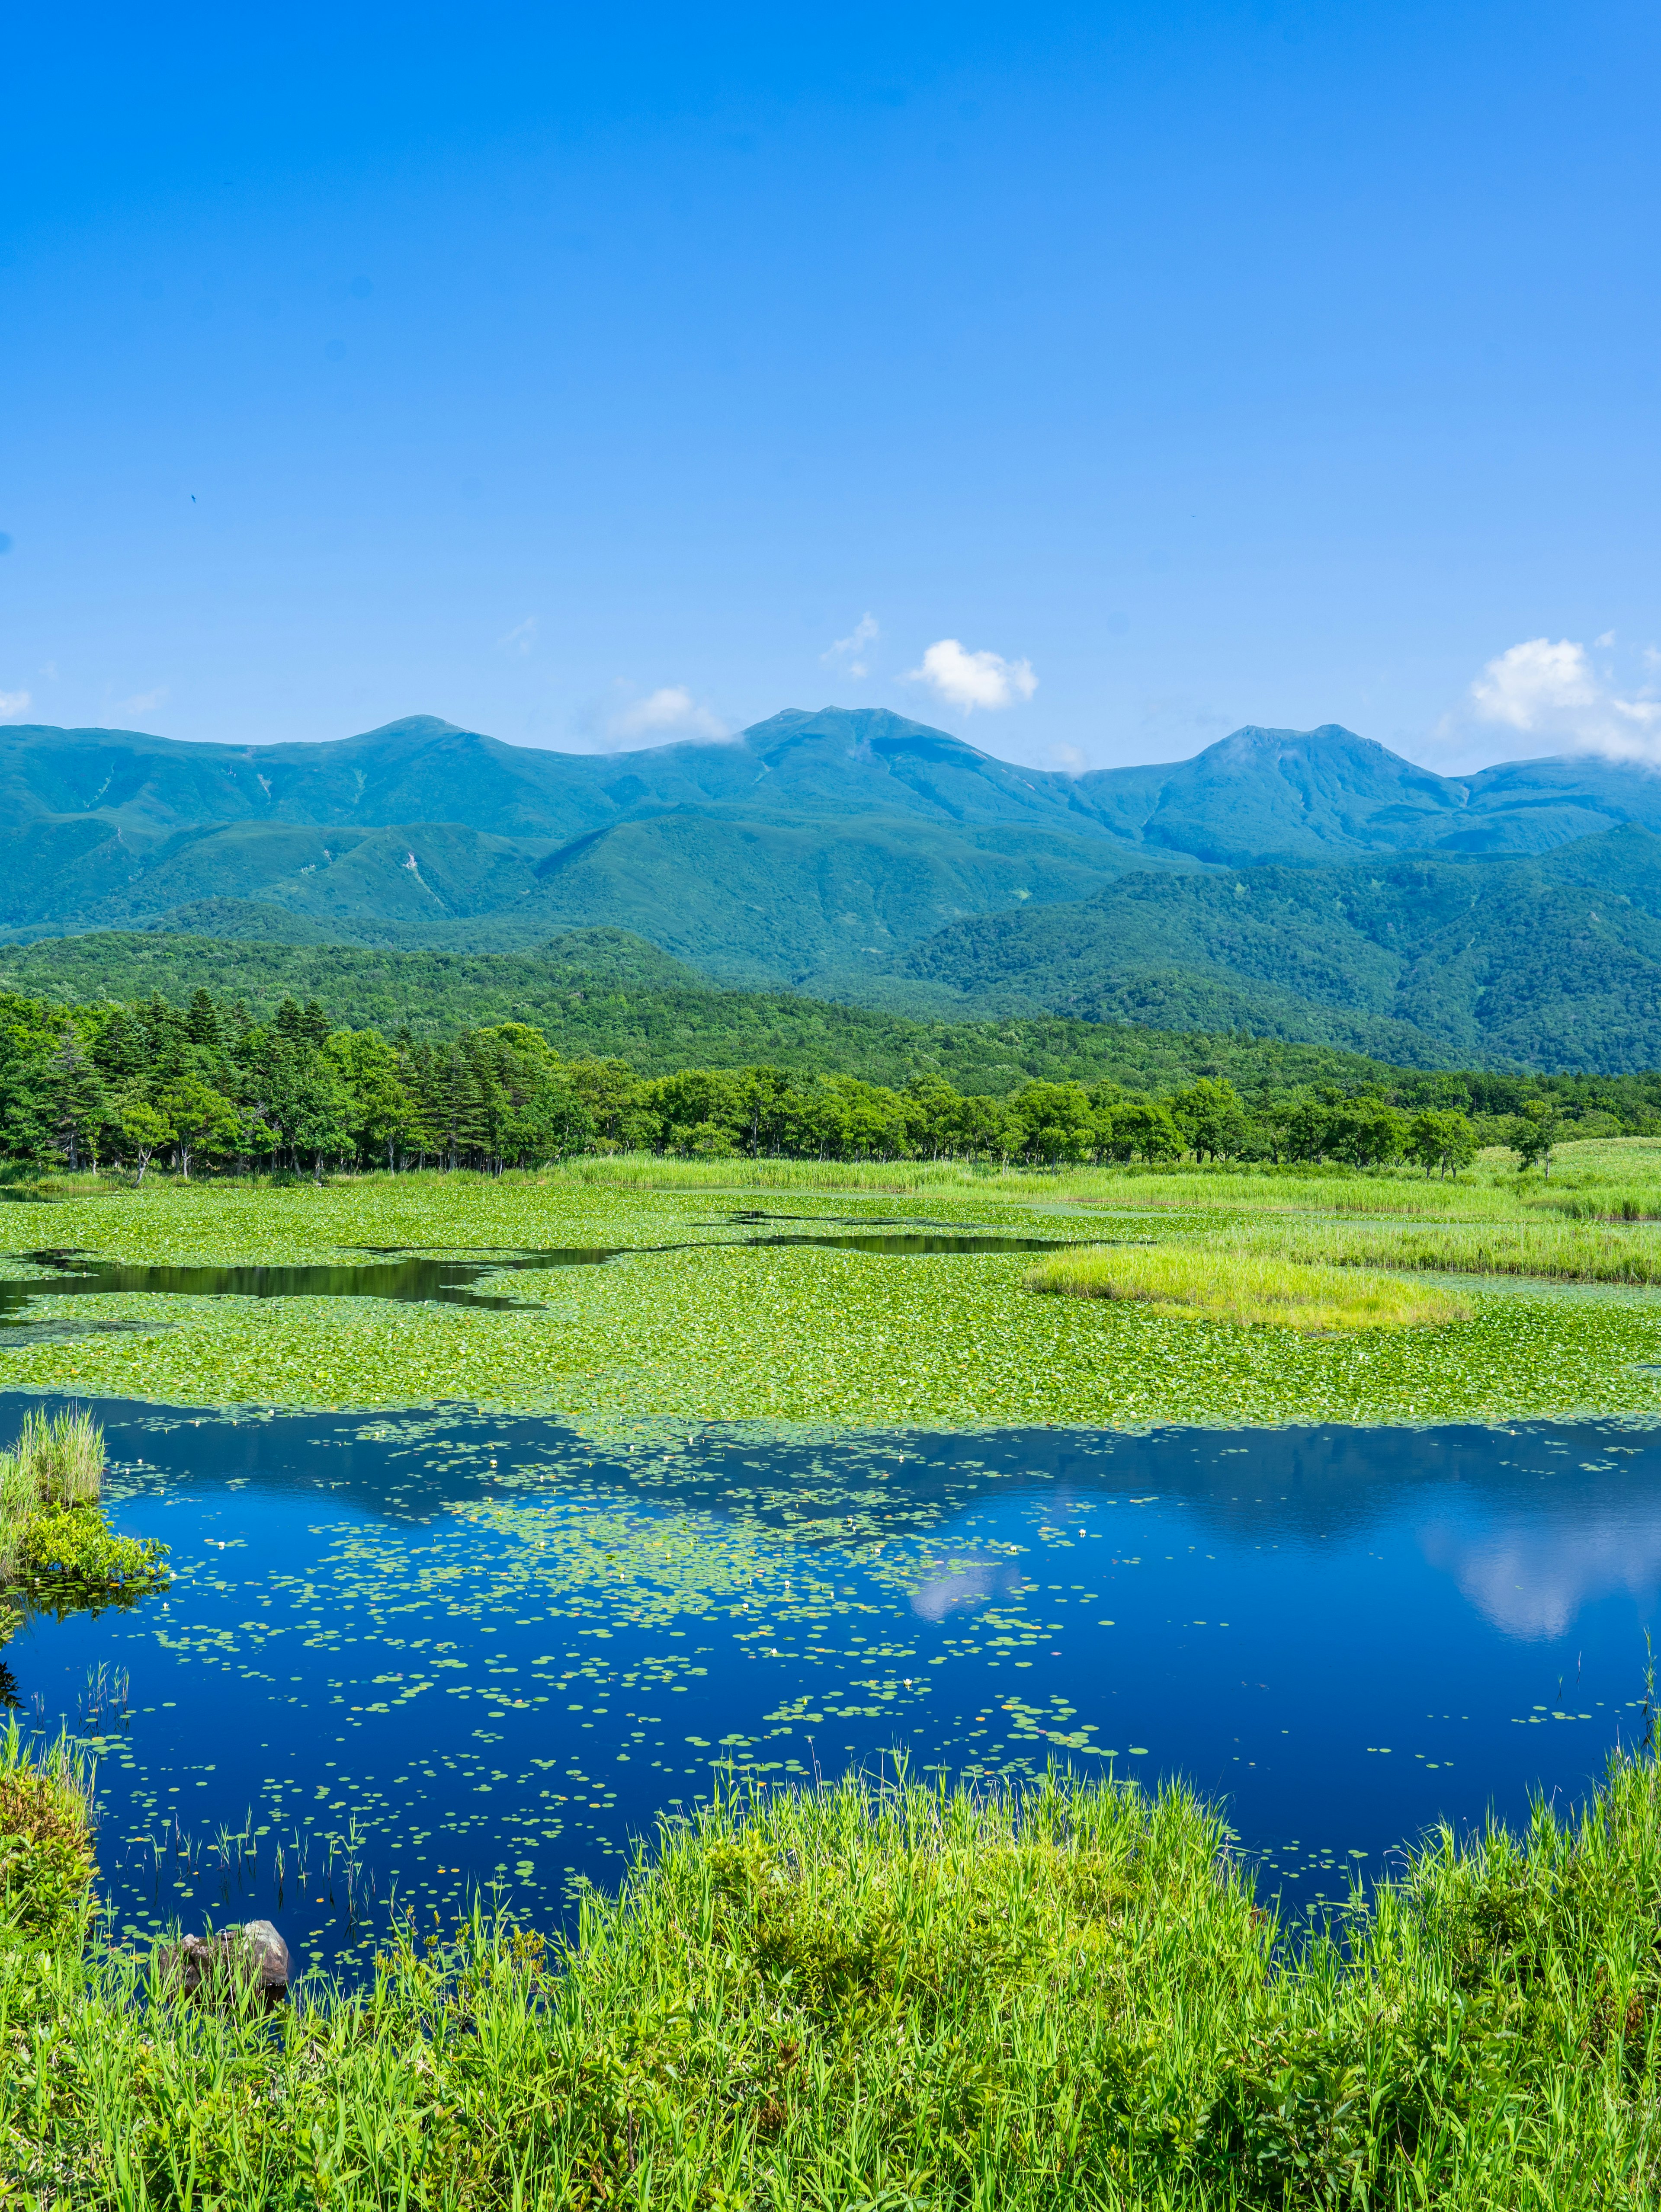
969 1586
1530 1579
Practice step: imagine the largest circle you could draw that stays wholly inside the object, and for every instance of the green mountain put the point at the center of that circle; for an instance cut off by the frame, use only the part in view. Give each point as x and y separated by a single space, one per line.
811 843
1299 884
1550 961
813 838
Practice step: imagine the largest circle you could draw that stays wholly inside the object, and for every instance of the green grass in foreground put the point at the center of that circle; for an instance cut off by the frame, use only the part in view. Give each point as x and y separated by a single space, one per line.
901 1997
694 1325
1245 1287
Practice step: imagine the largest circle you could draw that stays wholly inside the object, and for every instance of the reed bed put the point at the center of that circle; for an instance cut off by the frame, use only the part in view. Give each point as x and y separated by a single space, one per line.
900 1997
1553 1250
1250 1288
54 1534
1594 1178
57 1463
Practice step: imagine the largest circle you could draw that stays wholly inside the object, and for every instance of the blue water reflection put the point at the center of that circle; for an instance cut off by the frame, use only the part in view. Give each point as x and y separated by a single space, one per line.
456 1650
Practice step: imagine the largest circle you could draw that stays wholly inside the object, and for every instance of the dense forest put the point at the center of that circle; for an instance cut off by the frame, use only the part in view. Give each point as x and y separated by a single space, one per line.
210 1088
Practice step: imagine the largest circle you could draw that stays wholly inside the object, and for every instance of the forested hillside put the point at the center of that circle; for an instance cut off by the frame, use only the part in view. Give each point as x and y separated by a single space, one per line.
604 994
823 844
209 1088
1548 962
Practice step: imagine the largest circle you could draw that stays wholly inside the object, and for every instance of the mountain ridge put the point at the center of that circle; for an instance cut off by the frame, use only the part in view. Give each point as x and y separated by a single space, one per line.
850 852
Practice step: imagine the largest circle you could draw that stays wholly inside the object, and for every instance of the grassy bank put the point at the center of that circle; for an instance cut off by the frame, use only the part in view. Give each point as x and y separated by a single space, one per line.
905 1998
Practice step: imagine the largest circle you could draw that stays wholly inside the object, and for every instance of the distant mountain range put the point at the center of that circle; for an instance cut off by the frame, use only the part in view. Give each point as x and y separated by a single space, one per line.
1264 884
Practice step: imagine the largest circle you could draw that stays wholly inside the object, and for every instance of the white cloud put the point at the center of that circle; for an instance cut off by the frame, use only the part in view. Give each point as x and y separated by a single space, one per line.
12 704
1552 691
847 650
969 679
670 708
142 702
521 638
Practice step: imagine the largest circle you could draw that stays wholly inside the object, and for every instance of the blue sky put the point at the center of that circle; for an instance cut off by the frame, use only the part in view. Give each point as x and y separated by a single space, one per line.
1093 382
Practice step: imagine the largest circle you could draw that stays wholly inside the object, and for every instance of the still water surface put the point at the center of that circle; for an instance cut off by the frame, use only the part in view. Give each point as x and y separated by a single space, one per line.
455 1650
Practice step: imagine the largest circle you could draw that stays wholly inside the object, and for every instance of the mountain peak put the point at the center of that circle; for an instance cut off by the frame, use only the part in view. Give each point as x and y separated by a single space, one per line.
411 729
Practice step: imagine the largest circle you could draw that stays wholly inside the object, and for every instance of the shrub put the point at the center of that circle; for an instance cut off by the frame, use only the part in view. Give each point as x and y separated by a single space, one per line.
45 1842
76 1544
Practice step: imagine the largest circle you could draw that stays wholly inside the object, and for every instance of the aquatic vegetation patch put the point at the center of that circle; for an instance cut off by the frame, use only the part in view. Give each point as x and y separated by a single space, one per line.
692 1322
52 1529
75 1545
1245 1287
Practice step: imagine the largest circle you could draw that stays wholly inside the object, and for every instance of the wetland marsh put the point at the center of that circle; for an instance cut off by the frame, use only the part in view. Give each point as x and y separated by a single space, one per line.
509 1520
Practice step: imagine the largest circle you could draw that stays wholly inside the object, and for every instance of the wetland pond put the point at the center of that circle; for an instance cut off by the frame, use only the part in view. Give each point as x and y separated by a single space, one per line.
408 1659
411 1277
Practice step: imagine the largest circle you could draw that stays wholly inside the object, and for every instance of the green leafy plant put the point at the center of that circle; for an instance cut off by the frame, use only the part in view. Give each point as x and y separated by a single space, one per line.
75 1544
45 1842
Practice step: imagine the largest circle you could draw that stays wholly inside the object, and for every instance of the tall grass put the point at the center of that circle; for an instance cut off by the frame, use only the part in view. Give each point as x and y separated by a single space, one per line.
1592 1179
1563 1250
1246 1287
56 1462
899 1997
45 1841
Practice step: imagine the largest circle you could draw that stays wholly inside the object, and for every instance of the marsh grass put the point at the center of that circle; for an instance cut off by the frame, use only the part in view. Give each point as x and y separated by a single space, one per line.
905 1996
1250 1288
52 1530
1563 1250
45 1842
56 1462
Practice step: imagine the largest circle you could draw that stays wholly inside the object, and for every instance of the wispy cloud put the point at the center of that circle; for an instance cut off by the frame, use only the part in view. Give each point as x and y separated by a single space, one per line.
1555 691
13 704
848 652
142 702
521 638
969 679
671 709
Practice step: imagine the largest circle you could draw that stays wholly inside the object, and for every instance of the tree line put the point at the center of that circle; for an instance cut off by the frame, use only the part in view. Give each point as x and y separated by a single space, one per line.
209 1088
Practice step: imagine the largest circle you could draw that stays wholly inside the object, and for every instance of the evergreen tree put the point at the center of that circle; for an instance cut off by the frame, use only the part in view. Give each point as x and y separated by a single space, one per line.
202 1024
79 1101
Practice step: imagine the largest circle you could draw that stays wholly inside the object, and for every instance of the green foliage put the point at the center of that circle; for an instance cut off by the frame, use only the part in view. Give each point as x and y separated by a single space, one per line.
52 1530
76 1546
215 1089
900 1995
57 1461
1440 1138
1535 1134
1250 1288
46 1848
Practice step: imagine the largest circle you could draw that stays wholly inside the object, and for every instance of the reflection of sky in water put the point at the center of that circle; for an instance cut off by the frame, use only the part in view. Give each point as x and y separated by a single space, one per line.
456 1649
